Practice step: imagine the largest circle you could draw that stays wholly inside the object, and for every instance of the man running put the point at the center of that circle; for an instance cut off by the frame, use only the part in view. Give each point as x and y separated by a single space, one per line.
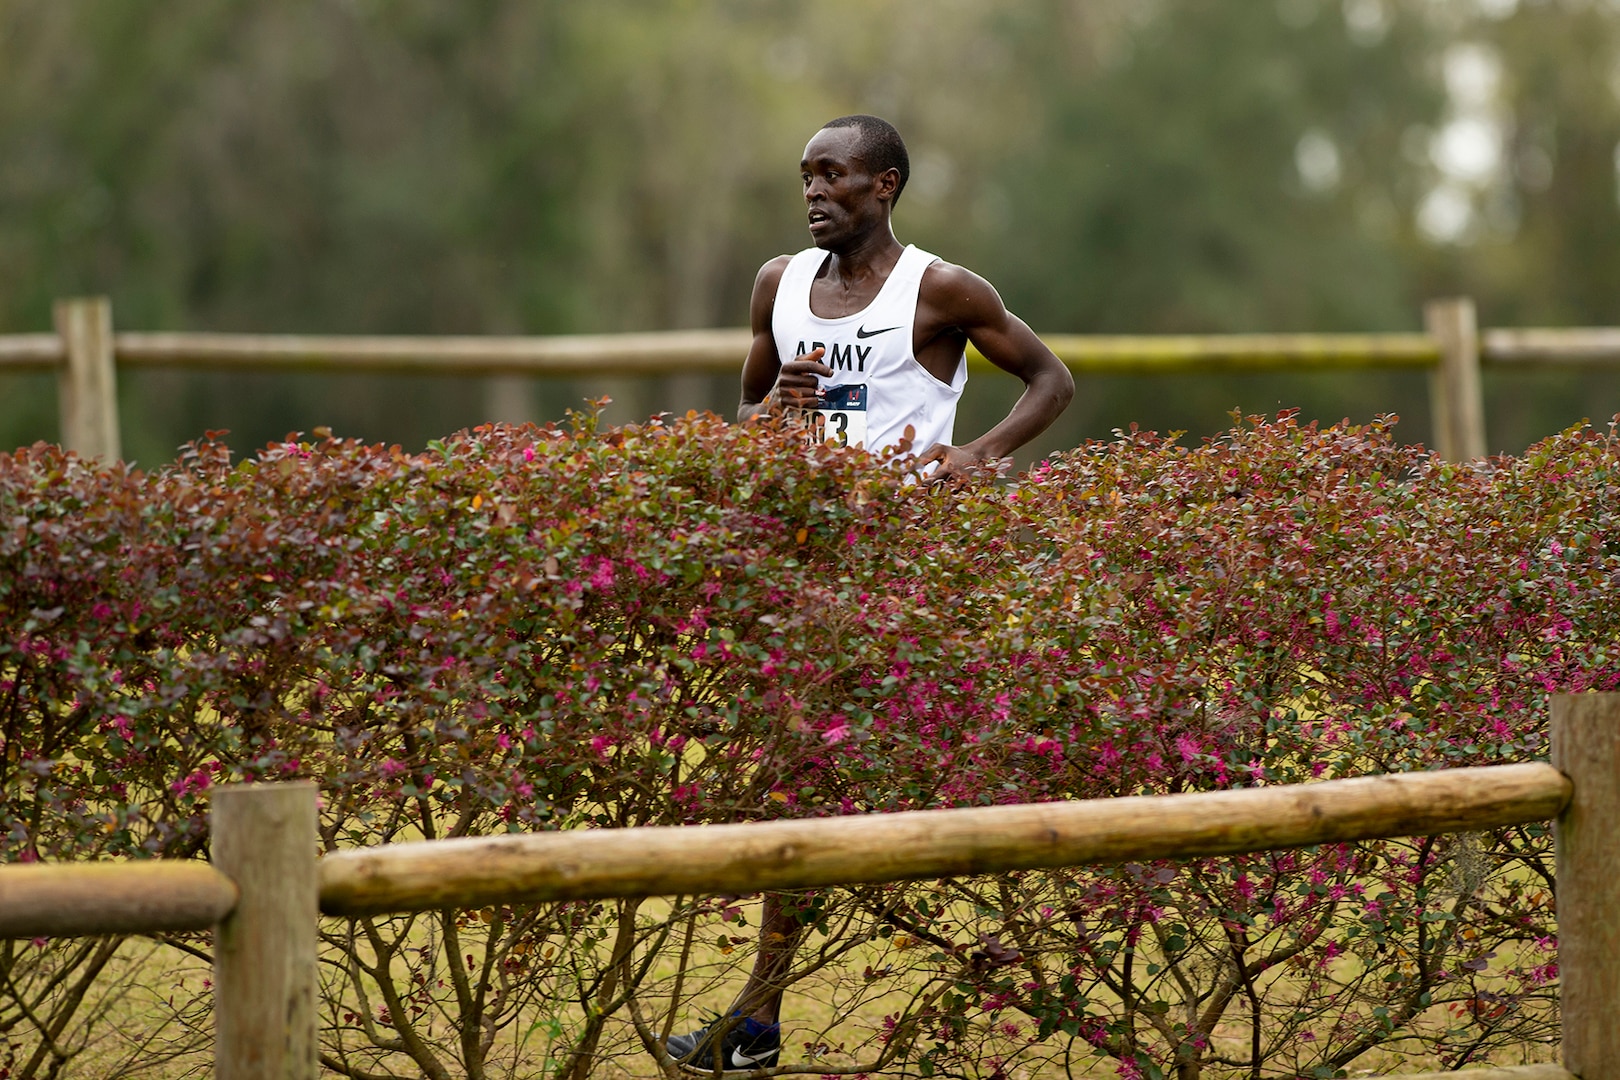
877 333
859 310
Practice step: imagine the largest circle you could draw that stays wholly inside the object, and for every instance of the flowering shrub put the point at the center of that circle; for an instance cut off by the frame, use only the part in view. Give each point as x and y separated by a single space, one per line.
689 622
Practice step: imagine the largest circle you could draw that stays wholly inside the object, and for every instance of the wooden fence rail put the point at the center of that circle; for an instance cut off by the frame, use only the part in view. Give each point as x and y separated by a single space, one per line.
267 886
802 854
86 354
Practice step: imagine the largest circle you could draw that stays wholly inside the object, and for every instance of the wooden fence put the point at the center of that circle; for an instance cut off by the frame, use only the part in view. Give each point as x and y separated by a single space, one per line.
265 887
86 354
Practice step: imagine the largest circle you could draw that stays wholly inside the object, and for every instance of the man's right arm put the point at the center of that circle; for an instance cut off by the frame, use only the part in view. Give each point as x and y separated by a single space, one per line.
768 385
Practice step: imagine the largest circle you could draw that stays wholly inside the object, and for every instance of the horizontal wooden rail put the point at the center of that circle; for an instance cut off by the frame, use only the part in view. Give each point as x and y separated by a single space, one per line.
1530 346
31 352
721 351
1150 354
741 859
696 350
64 900
665 352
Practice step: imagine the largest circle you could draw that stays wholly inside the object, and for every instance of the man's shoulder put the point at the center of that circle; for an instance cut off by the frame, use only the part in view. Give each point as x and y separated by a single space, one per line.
770 276
951 287
772 269
941 274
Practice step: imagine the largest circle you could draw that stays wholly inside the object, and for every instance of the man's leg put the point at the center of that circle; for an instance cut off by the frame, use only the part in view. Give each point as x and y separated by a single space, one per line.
779 932
749 1037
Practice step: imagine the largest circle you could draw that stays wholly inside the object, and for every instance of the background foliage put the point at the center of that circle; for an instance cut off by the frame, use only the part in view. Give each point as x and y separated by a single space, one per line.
536 628
404 166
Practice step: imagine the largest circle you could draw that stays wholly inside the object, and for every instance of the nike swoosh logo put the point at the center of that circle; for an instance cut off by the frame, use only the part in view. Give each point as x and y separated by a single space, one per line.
740 1060
863 332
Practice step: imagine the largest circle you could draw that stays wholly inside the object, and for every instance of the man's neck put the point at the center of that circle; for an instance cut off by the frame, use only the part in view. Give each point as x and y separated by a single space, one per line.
873 256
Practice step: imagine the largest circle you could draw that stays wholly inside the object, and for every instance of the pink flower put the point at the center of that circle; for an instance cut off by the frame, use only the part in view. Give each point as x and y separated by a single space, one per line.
193 783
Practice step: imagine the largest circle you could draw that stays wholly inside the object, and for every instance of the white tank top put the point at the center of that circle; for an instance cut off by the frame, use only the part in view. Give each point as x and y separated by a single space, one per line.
877 386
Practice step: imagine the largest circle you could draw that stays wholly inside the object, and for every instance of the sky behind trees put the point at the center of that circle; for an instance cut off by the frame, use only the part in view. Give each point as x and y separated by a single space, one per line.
508 166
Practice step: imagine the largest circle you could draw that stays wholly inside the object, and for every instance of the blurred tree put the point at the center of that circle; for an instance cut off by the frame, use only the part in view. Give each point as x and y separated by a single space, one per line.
407 166
323 166
1235 168
1536 235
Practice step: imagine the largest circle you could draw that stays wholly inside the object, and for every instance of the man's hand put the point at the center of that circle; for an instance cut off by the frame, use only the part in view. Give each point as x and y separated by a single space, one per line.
956 465
796 386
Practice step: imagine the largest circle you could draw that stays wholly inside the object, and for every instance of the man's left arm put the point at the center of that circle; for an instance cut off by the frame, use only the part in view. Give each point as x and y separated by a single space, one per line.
959 300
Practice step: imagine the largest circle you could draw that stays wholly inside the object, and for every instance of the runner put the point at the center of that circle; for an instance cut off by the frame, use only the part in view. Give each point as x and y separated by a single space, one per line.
877 333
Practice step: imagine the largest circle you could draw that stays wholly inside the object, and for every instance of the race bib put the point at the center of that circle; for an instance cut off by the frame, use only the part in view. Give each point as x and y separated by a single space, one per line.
840 417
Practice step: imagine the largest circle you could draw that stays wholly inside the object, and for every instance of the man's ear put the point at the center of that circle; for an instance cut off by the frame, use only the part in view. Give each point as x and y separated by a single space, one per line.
888 182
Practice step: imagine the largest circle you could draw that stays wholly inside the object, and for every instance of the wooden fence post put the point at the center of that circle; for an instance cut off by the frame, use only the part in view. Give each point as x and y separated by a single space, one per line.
1457 401
265 978
1586 747
87 384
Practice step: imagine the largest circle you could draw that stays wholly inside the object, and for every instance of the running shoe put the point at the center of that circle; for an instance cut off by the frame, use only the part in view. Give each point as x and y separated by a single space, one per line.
748 1046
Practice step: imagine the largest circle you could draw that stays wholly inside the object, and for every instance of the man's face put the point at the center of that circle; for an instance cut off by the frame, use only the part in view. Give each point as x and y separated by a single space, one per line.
845 201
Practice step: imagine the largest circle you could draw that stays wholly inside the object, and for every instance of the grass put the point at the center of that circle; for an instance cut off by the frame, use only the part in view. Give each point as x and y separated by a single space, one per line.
152 1007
